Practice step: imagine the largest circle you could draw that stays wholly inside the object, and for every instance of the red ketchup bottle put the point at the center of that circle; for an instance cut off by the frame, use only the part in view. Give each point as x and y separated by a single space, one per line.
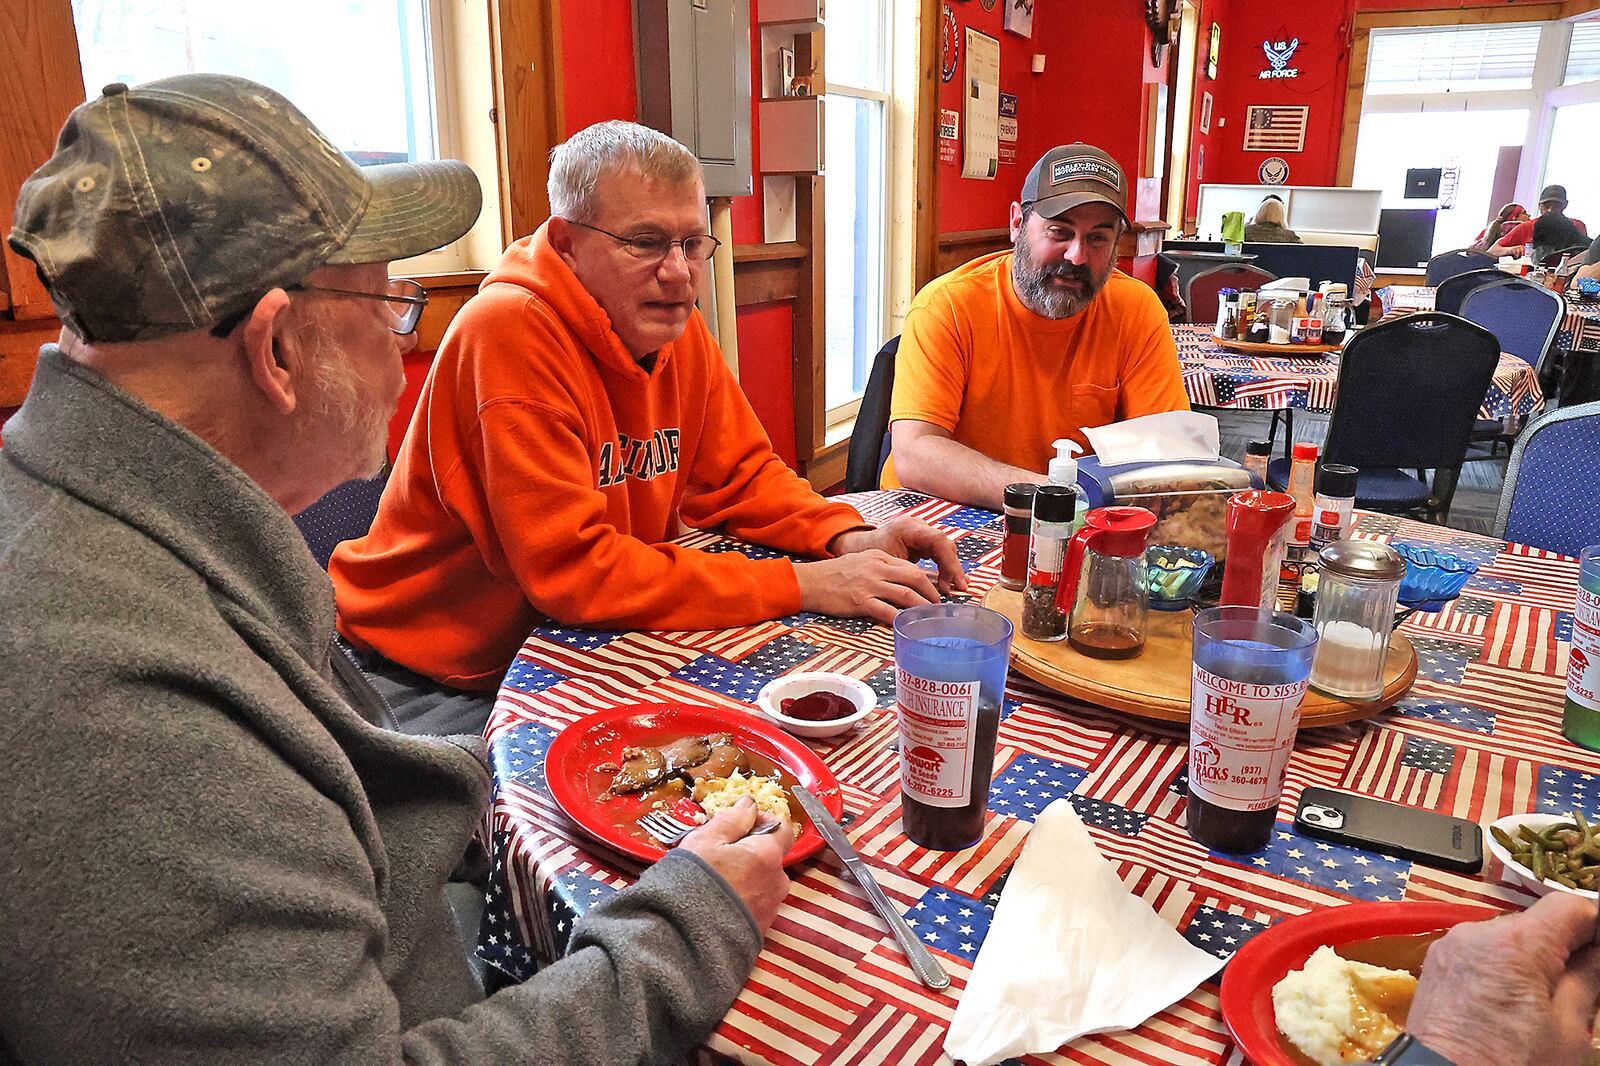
1257 522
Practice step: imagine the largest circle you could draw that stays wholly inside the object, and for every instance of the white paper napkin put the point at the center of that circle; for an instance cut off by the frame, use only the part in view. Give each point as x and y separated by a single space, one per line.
1166 437
1070 952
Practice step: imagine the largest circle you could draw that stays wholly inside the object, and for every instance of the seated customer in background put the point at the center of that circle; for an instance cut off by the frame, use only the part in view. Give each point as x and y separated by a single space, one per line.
1507 217
1591 259
216 853
1004 355
1555 230
577 418
1268 225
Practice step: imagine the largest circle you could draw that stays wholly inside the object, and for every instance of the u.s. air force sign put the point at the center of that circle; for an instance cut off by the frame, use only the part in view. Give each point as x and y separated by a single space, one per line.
1279 53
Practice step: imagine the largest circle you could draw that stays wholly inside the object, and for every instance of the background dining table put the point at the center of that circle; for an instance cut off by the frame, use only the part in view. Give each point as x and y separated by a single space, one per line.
1478 736
1214 376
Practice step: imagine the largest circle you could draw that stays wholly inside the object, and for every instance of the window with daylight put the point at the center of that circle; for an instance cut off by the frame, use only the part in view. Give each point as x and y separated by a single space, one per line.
1583 57
857 146
1452 59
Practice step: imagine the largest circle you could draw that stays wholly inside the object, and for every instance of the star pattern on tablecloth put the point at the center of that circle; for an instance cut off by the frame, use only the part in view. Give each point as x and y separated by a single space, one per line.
953 923
1355 872
527 676
1103 815
498 942
749 551
972 548
1472 719
1219 932
1430 756
1474 606
968 518
1442 660
1474 552
883 683
1561 626
1562 791
1179 785
571 896
581 639
718 675
907 500
1378 523
780 655
853 626
517 754
1486 583
1030 783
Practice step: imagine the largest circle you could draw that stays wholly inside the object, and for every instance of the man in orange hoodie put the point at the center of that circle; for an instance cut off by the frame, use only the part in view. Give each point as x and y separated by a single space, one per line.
577 418
1004 355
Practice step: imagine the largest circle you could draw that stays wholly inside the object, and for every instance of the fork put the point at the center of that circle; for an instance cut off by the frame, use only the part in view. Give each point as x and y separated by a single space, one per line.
669 829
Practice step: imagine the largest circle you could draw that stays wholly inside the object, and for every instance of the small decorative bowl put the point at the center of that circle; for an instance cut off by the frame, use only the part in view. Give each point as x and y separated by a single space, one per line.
1516 873
1588 288
774 692
1175 575
1433 578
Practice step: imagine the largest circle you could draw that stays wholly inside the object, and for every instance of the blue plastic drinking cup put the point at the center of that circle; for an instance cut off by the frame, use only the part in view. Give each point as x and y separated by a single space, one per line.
950 680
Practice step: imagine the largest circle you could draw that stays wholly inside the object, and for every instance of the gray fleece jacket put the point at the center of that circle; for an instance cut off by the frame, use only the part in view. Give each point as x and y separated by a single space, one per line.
207 854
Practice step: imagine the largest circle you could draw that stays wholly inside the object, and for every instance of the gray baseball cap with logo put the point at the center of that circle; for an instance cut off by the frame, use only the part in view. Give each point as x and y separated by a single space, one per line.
178 204
1070 175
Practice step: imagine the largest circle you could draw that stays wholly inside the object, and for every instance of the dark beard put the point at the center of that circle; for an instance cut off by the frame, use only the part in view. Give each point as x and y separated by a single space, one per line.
1030 281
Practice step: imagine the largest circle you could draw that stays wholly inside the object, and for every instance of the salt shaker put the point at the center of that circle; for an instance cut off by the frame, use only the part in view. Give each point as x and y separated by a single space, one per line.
1356 593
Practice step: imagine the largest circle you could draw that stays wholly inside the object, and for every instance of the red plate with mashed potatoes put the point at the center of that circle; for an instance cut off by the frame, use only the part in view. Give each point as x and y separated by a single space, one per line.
1248 981
580 789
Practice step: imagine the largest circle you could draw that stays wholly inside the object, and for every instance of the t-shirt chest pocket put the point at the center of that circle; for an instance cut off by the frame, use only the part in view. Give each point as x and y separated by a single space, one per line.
1090 406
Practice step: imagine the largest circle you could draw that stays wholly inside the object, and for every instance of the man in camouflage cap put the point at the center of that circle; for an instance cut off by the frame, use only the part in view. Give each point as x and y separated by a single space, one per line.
215 850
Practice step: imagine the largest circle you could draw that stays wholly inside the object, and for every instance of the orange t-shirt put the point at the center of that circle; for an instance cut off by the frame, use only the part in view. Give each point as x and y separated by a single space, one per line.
1007 382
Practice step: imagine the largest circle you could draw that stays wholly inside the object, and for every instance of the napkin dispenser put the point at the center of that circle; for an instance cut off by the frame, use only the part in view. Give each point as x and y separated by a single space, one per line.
1189 497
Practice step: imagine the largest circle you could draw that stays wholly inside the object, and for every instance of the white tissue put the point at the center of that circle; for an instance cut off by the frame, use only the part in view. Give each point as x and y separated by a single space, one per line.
1287 284
1171 436
1070 952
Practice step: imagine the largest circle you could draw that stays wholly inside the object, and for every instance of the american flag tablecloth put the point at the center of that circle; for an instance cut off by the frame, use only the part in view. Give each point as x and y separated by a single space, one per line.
1478 736
1236 381
1579 330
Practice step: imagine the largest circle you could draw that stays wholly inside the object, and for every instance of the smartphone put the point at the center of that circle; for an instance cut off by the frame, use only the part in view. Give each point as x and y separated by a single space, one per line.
1393 828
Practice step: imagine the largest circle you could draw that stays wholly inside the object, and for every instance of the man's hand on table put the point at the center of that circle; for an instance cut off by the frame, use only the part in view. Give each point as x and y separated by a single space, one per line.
1519 989
752 866
875 573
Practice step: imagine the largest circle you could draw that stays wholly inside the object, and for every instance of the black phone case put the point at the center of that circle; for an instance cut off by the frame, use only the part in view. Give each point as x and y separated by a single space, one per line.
1393 828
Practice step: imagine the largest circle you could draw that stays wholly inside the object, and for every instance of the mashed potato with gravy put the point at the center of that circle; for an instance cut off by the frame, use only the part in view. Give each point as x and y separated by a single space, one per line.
1334 1010
716 793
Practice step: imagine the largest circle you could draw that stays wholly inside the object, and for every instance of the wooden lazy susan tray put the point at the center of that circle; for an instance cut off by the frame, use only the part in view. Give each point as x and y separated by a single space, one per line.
1156 683
1258 348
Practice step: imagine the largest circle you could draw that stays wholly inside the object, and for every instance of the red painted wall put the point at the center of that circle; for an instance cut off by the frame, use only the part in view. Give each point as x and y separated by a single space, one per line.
766 371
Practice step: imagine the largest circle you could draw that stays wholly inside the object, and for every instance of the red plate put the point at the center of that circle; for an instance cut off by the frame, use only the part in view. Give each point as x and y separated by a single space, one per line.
573 754
1261 963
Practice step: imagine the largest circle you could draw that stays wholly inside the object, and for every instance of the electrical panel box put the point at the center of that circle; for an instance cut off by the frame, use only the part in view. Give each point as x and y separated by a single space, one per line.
694 82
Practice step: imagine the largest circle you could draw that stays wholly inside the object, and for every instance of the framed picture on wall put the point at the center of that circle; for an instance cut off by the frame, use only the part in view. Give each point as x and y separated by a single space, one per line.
1205 112
1213 49
1019 17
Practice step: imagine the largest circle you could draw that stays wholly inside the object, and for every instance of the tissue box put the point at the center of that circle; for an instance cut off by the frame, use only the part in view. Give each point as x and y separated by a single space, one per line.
1189 497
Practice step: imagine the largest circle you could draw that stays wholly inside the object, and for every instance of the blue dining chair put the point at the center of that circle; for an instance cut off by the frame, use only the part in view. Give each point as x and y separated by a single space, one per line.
1524 317
1457 261
869 440
1551 498
1408 395
345 513
1453 290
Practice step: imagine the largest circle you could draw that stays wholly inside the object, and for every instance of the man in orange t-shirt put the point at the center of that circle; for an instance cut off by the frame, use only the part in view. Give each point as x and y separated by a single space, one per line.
1012 351
577 418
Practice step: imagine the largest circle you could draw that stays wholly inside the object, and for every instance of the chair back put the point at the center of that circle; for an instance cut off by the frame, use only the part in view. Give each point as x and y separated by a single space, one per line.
1524 316
1551 499
869 441
1201 292
345 513
1459 261
1409 392
1453 290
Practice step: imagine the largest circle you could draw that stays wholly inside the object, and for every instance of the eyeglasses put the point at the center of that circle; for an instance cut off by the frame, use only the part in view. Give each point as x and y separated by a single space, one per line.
410 296
697 247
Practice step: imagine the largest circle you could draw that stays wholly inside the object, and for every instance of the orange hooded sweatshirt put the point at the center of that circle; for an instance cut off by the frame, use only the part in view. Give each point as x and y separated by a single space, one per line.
545 473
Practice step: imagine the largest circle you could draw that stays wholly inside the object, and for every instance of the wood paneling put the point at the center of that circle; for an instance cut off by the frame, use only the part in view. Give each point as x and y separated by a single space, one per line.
955 249
810 404
526 38
925 161
41 80
19 351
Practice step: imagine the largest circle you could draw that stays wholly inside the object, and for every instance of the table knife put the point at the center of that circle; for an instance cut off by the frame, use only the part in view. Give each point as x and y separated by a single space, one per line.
922 961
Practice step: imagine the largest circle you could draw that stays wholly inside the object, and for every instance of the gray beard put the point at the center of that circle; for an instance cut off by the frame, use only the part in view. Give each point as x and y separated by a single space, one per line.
1028 278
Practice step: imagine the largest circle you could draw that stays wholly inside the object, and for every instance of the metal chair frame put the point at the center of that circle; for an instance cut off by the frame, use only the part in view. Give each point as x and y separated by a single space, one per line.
1510 282
1482 259
1223 268
1508 493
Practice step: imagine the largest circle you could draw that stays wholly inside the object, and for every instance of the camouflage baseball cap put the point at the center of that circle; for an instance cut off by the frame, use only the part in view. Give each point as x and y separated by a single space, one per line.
1070 175
177 204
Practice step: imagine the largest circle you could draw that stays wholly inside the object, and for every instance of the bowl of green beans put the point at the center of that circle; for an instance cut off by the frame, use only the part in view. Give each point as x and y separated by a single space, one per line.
1549 852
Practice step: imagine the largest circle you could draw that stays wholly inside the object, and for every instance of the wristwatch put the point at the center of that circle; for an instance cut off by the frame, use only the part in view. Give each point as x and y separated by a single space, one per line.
1407 1050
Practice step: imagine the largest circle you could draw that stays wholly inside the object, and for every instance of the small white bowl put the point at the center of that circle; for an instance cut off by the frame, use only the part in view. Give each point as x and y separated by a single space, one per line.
858 692
1515 872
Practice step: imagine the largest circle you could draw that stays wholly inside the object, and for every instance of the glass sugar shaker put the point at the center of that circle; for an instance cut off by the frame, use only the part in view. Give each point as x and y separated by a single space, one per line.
1358 586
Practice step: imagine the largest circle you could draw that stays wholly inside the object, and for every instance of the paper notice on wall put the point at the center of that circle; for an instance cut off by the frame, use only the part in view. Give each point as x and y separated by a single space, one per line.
949 132
1008 128
981 98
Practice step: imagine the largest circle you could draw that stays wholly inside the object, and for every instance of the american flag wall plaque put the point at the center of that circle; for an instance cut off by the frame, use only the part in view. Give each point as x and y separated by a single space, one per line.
1273 128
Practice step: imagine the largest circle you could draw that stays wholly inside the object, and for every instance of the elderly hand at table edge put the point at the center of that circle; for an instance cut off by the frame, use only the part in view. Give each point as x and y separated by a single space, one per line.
874 574
1519 989
752 866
